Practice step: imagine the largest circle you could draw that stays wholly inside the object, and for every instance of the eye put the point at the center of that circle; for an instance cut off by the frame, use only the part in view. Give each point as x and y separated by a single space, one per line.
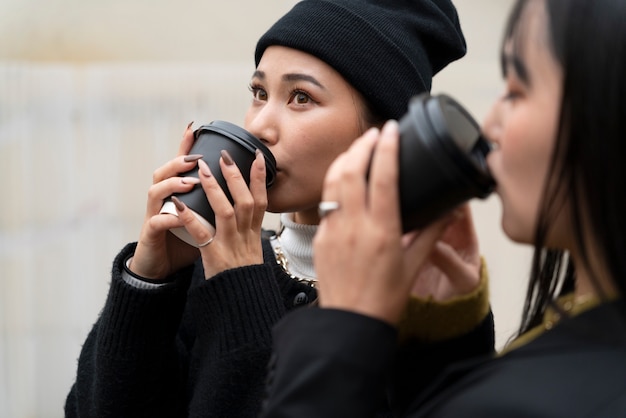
258 93
510 96
513 90
300 97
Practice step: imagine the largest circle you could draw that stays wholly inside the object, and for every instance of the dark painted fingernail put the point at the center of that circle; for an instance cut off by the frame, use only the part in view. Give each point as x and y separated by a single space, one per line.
180 206
227 158
192 157
189 125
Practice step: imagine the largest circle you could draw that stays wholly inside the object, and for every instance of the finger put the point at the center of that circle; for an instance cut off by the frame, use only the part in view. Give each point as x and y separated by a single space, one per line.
160 191
462 275
330 193
461 233
160 223
239 190
409 237
353 187
332 180
258 190
191 223
330 190
422 245
187 142
174 167
222 208
383 181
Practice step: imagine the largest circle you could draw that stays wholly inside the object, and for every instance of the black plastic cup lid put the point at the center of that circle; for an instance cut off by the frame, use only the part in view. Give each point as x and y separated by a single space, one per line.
245 139
458 133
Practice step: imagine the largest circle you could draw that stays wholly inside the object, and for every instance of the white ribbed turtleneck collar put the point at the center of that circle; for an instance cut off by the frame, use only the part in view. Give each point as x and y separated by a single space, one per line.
296 242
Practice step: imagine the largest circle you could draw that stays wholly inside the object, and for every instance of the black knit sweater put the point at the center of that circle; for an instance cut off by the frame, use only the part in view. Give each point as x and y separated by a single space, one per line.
193 347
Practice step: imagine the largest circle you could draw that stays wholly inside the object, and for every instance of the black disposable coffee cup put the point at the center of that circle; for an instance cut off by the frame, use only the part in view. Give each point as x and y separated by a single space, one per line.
442 160
210 140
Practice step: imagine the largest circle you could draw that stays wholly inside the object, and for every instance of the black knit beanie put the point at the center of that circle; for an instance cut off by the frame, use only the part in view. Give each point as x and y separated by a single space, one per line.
389 50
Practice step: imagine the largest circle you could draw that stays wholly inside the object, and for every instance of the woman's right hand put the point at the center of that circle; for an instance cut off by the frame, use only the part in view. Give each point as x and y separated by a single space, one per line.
364 262
159 253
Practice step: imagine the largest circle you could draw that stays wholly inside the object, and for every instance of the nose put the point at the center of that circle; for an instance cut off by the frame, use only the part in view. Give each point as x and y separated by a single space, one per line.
262 122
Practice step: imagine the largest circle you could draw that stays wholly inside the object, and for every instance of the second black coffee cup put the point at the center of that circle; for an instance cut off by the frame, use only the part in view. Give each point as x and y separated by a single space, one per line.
442 159
210 140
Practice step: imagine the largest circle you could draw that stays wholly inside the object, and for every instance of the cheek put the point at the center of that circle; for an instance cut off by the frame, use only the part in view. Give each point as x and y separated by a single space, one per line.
251 113
330 137
316 155
516 204
520 171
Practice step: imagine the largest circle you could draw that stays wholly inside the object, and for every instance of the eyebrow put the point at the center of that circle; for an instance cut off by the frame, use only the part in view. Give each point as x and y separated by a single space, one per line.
291 77
514 61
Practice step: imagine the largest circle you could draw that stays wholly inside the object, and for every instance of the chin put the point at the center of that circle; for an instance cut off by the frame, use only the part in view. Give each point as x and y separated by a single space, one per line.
274 204
517 232
278 206
272 208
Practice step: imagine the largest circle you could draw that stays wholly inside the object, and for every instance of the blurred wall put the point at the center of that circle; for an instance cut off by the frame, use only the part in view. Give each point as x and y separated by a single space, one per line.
93 97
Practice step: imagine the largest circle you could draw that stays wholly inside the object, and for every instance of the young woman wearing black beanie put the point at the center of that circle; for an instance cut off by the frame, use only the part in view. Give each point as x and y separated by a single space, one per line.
558 132
186 331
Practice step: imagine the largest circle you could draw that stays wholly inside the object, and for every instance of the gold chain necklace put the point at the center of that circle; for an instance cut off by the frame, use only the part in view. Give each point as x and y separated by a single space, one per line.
282 261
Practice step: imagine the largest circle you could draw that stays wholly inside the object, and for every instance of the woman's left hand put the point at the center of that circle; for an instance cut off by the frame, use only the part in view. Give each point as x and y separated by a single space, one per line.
453 267
237 239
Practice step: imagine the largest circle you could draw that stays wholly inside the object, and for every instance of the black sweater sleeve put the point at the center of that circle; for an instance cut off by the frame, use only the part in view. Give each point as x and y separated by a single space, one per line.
234 313
193 347
129 365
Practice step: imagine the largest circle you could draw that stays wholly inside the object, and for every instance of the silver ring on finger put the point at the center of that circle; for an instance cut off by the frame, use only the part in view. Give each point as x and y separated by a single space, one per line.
204 244
326 207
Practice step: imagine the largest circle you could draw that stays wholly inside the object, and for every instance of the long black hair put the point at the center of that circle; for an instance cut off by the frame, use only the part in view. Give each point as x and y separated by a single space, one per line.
588 40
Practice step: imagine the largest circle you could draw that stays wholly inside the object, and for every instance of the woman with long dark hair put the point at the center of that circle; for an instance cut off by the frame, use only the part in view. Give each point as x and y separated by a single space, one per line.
558 135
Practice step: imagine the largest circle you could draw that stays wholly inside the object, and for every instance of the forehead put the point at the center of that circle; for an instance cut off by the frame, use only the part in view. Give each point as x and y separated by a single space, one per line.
287 65
527 38
287 59
528 25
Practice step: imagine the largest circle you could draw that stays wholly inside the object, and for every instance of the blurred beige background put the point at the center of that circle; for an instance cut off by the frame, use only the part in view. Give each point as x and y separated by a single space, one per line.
93 97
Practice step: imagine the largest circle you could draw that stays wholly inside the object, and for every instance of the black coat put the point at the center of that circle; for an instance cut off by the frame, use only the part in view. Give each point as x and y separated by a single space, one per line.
335 369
